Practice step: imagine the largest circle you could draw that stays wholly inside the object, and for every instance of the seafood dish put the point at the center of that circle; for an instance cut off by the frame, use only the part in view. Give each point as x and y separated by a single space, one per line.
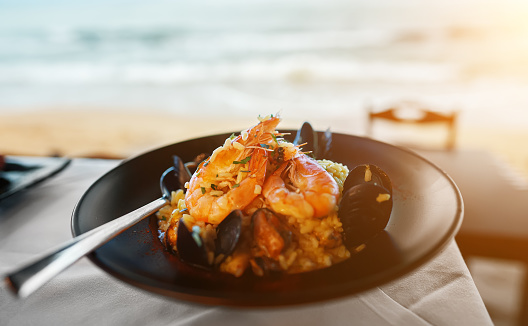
263 204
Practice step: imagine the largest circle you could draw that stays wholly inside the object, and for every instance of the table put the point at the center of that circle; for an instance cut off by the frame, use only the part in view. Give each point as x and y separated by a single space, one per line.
441 292
495 208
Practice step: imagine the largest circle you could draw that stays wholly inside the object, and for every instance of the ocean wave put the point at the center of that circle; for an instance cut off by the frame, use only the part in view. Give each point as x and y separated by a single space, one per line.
294 69
155 44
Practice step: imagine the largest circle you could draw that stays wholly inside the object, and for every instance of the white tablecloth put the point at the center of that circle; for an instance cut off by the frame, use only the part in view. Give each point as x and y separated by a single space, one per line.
441 292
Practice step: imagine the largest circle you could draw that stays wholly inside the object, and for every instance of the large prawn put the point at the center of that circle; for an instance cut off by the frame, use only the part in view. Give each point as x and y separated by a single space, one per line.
313 192
233 176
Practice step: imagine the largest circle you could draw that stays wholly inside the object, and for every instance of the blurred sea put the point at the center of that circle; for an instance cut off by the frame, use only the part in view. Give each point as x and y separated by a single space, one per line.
308 58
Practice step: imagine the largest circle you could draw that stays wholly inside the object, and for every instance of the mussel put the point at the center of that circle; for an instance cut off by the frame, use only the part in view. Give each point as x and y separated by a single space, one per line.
271 237
366 204
195 249
367 173
269 233
175 178
308 136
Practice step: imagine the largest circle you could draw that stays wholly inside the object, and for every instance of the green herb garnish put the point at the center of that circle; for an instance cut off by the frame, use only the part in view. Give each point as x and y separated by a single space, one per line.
213 186
203 190
274 138
244 161
236 185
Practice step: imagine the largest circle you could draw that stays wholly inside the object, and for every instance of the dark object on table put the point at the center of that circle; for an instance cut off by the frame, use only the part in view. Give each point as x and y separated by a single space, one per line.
21 172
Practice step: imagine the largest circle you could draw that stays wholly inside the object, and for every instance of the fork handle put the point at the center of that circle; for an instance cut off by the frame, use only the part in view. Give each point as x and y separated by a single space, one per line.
31 277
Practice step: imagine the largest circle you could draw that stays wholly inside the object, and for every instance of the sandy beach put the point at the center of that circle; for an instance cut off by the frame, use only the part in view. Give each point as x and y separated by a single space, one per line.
113 134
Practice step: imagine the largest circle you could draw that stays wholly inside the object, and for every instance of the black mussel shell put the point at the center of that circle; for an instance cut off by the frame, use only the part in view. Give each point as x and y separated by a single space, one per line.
364 211
181 170
318 149
358 176
190 246
228 233
325 145
174 178
306 134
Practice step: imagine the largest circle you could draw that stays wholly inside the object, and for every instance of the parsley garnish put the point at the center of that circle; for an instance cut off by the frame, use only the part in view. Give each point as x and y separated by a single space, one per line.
213 186
236 185
244 161
265 146
232 136
274 138
203 190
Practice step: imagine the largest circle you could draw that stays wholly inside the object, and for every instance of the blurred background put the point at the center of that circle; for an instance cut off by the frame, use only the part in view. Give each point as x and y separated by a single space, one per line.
115 78
322 61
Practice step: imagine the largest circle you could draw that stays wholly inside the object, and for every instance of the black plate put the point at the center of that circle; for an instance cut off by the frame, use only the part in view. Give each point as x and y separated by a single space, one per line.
426 215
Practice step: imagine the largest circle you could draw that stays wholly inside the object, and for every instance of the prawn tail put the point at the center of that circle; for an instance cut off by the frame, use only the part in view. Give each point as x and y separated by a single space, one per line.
260 133
258 165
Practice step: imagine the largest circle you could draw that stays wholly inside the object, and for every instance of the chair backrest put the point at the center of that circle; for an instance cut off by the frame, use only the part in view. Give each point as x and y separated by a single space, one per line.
417 116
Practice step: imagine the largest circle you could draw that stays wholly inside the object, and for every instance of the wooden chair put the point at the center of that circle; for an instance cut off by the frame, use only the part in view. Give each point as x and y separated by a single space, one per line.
418 117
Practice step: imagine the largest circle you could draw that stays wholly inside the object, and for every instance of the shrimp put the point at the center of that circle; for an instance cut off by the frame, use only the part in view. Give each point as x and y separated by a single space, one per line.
316 192
233 176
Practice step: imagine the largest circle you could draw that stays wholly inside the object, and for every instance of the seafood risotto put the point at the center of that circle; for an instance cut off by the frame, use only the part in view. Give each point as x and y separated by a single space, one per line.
258 202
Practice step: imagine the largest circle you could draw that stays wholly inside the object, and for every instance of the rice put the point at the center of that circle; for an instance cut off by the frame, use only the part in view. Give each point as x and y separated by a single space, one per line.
316 242
337 170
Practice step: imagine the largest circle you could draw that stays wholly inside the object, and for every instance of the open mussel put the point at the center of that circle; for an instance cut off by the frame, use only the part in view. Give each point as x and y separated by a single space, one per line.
269 233
308 136
174 178
367 173
364 211
270 237
196 247
366 204
228 234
